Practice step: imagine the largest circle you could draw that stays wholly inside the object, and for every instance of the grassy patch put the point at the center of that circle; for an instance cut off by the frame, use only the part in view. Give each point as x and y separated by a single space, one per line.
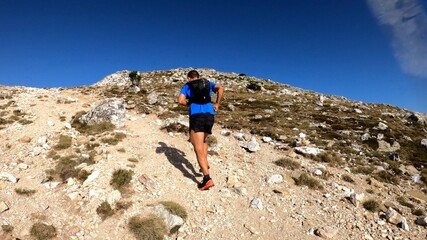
43 231
62 118
347 178
386 177
134 160
310 182
175 208
24 191
64 142
66 167
151 227
53 154
287 163
418 212
86 129
104 210
404 202
7 228
115 139
123 205
371 205
91 146
121 179
333 159
367 170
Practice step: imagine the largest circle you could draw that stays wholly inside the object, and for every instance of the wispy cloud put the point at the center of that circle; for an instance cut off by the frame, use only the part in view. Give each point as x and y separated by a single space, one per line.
407 21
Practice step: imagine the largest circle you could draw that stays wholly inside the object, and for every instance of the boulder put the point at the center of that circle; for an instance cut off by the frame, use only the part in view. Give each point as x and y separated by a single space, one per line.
170 219
110 110
422 221
309 150
393 217
8 177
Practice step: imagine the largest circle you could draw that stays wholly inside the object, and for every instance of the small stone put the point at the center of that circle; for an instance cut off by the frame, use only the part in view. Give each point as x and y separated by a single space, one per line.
114 197
404 224
239 136
276 178
282 191
411 170
67 125
25 139
225 132
326 232
51 185
37 151
392 216
171 220
365 137
266 139
22 166
91 177
256 203
253 145
3 207
50 123
42 140
5 176
233 181
422 221
424 142
309 150
382 126
81 140
251 229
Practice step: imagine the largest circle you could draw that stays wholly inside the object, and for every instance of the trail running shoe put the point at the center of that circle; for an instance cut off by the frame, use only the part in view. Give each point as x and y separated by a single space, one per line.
206 185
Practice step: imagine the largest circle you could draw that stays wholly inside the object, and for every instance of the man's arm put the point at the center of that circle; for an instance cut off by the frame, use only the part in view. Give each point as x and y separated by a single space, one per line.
182 100
219 89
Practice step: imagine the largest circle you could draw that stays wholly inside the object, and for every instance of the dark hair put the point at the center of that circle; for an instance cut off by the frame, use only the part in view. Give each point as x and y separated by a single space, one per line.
193 74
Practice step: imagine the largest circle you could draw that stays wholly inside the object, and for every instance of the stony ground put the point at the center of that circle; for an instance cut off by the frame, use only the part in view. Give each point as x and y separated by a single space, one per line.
242 205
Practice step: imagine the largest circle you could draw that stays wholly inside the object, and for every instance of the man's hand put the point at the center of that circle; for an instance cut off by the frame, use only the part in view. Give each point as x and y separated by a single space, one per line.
216 106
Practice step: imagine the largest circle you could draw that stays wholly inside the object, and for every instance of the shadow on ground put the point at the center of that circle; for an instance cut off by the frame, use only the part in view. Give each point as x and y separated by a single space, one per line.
177 158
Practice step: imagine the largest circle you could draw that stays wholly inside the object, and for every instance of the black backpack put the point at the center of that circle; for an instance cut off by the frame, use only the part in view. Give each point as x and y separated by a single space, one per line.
200 90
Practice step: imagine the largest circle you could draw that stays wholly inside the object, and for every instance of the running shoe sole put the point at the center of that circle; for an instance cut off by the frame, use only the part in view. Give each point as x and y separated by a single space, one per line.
208 185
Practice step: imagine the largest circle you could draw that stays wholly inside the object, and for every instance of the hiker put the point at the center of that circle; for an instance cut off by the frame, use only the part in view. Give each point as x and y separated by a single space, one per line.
196 94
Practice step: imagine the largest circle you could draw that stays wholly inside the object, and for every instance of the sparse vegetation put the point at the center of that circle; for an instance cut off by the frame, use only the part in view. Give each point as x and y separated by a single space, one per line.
333 159
211 140
104 210
91 146
367 170
115 139
86 129
66 167
404 202
305 180
43 231
134 160
25 191
418 212
288 163
347 178
64 142
175 208
123 205
7 228
386 177
371 205
148 228
121 179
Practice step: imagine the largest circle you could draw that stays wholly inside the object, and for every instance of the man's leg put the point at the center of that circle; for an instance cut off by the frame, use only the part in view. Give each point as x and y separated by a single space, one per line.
201 149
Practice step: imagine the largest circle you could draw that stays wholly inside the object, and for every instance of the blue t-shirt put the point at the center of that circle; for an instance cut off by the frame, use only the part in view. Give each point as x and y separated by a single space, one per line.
198 108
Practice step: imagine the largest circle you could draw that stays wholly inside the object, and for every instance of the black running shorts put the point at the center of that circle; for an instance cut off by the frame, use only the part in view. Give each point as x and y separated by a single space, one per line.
202 122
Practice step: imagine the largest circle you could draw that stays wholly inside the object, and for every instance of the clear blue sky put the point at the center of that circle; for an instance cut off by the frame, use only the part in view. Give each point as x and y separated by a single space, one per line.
328 46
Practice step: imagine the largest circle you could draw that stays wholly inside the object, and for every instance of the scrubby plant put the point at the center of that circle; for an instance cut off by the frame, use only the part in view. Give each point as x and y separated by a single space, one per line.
82 175
347 178
91 146
211 140
175 208
364 169
62 118
43 231
104 210
371 205
386 177
123 205
64 142
25 191
121 179
115 139
134 160
418 212
333 159
287 163
93 129
404 202
25 121
148 228
66 167
53 154
7 228
305 180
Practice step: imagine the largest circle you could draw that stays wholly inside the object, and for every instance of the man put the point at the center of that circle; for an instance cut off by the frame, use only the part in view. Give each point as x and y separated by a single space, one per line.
196 94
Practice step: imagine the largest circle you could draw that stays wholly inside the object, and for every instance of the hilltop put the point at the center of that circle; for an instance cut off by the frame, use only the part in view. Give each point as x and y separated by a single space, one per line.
288 163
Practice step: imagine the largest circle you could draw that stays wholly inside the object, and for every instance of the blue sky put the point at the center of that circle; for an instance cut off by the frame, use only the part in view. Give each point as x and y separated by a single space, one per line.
328 46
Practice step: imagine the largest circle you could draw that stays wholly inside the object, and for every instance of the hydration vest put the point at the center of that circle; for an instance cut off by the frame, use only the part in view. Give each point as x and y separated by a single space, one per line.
200 91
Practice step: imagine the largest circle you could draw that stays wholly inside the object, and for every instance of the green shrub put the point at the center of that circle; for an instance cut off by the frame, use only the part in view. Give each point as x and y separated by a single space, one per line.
148 228
104 210
24 191
306 180
371 205
43 231
82 175
404 202
288 163
175 208
121 179
64 142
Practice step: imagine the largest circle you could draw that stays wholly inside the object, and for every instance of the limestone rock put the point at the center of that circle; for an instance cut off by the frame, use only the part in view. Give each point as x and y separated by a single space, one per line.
152 98
5 176
256 203
384 146
309 150
365 137
91 177
392 216
252 145
326 232
266 139
3 207
276 178
382 126
170 219
110 110
239 136
424 142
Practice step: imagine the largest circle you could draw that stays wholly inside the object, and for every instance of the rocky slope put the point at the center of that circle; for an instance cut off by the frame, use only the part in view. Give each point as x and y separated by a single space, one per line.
336 155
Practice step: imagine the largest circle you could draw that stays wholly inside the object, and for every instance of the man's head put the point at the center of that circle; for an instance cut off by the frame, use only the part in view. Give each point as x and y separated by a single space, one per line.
192 75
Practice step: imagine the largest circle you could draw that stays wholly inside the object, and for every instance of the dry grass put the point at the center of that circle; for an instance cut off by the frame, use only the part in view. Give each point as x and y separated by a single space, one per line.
404 202
43 231
25 191
175 208
386 177
134 160
371 205
7 228
347 178
104 210
148 228
121 179
66 167
288 163
64 142
86 129
310 182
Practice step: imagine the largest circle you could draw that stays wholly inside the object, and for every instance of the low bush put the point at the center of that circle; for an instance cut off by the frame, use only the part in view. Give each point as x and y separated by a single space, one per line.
371 205
404 202
24 191
310 182
121 179
288 163
7 228
148 228
175 208
43 231
386 177
64 142
104 210
347 178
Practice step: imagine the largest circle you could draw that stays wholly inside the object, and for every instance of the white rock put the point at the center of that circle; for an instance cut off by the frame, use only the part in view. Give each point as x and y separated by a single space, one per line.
50 123
225 132
256 203
404 224
380 136
358 110
37 151
276 178
114 197
382 126
46 146
73 196
392 216
424 142
239 136
22 166
67 125
309 150
253 145
51 185
91 177
365 137
302 135
70 181
170 219
3 207
42 140
266 139
5 176
416 178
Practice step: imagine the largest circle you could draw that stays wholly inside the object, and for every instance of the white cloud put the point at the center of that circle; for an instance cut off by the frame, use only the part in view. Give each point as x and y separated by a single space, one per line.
407 21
